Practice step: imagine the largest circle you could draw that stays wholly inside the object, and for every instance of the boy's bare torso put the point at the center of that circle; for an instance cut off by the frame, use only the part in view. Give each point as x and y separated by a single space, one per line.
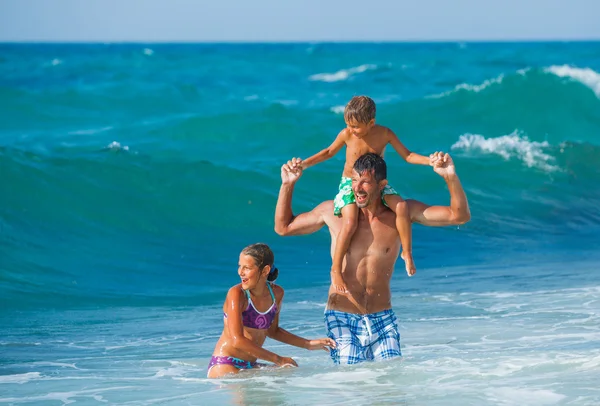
375 141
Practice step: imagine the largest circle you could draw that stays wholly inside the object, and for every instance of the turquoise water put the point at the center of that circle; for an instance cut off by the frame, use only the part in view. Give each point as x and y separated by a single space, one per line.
132 176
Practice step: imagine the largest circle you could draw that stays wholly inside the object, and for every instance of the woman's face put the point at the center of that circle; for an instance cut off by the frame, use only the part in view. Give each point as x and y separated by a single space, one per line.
249 272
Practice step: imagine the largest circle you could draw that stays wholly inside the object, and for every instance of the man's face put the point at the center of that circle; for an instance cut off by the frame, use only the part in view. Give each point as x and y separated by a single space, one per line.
366 189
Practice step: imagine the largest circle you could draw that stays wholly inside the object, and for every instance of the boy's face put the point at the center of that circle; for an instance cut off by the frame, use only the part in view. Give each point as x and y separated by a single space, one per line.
359 130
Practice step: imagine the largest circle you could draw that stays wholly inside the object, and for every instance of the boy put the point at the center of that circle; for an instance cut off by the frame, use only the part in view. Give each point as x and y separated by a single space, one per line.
360 136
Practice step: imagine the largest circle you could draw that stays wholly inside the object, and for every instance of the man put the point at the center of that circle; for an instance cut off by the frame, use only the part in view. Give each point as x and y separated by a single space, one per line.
361 320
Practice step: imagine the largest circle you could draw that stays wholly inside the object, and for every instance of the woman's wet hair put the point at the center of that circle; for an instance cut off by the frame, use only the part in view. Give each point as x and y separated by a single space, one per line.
371 163
263 256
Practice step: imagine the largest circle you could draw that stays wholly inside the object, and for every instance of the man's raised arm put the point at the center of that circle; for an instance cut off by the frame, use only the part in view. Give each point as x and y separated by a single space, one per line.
285 221
436 216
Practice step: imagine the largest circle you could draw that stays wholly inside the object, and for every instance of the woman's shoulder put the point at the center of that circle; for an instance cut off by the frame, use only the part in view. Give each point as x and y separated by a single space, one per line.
277 290
235 291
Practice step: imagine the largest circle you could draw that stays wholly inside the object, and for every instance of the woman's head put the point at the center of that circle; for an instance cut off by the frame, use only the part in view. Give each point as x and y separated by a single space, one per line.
256 263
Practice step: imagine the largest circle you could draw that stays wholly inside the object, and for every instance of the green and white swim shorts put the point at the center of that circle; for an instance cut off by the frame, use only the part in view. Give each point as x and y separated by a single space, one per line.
345 195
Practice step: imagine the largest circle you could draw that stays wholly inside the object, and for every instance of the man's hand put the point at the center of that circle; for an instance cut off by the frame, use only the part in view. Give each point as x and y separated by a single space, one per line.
442 164
291 171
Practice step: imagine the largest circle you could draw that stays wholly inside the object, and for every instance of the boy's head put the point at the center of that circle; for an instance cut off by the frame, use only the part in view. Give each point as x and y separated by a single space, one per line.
359 115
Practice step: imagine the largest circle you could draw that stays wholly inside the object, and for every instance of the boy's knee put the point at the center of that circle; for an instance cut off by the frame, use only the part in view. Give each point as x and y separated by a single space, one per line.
401 208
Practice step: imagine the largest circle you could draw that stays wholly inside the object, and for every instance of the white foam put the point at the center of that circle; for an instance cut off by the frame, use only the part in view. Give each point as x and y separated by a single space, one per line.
338 109
341 74
64 397
56 62
586 76
471 88
54 364
521 396
148 51
287 102
514 145
20 378
117 146
91 131
169 372
312 304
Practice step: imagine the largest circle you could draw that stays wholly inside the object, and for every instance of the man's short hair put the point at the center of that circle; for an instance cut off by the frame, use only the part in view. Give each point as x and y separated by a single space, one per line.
372 163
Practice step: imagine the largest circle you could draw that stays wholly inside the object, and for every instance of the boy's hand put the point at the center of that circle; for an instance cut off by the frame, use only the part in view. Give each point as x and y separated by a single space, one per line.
321 344
291 171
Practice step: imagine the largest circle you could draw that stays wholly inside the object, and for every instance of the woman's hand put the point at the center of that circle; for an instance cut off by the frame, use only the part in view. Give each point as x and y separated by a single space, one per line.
321 344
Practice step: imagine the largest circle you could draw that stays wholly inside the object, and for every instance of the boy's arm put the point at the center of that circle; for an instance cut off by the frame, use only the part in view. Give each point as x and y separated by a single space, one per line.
405 153
286 223
326 153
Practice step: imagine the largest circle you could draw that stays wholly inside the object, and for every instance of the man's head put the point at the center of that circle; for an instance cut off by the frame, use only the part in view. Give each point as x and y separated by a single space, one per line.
359 115
369 177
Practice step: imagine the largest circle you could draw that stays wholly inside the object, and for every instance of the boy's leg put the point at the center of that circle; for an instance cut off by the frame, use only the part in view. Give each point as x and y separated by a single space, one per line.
350 222
404 226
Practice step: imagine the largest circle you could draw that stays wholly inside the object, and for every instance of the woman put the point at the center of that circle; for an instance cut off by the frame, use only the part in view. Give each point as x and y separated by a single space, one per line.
251 314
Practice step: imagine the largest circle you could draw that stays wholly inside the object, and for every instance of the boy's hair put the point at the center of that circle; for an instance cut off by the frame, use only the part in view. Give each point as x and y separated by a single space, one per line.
263 256
372 163
360 109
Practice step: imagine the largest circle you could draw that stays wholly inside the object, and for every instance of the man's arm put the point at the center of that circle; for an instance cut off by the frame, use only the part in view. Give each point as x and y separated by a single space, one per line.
405 153
286 223
326 153
436 216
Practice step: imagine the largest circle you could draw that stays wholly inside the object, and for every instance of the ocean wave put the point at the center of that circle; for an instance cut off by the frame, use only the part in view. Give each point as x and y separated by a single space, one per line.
342 74
338 109
514 145
470 87
586 76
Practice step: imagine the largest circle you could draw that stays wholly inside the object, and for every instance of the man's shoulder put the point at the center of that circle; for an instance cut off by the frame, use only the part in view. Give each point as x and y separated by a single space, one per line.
325 209
325 206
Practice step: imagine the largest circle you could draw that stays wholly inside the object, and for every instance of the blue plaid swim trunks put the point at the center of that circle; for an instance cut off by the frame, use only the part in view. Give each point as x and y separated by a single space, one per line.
363 337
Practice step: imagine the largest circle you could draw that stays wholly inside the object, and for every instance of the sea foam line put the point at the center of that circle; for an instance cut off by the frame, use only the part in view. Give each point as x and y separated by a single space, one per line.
342 74
513 145
469 87
586 76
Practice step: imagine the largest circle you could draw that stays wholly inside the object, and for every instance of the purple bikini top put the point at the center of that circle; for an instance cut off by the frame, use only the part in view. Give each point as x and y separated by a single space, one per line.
252 318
